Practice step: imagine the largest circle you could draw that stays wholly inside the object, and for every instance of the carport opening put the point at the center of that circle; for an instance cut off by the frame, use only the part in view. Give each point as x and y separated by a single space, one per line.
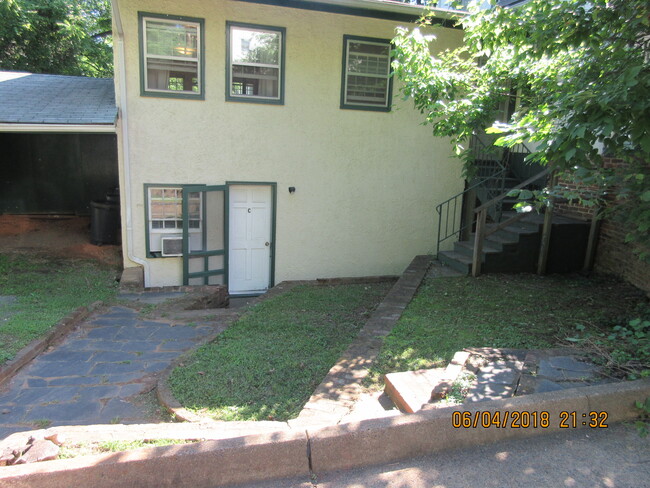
51 190
57 235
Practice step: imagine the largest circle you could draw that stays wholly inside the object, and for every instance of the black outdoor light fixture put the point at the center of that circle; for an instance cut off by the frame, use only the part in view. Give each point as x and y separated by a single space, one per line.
292 189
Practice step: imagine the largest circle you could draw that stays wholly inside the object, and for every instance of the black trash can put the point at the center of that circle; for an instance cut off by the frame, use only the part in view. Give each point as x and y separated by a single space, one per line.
104 222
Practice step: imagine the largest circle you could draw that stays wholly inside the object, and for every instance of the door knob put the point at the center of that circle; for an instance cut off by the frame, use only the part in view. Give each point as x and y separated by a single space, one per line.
267 244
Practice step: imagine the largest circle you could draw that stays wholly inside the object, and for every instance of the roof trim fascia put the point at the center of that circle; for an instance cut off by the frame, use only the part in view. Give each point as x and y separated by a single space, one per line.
369 8
60 128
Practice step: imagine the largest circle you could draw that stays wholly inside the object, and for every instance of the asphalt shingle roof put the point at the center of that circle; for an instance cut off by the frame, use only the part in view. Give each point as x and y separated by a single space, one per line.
27 98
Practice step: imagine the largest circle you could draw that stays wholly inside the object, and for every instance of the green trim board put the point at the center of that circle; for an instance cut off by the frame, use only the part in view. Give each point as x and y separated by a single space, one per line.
205 254
355 11
200 95
219 252
282 71
274 201
205 274
347 38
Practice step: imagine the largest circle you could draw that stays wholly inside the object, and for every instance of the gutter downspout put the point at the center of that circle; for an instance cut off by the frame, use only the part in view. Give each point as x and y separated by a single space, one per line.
126 159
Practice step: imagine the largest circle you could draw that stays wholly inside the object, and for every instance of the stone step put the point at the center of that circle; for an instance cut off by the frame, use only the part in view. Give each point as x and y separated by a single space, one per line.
457 261
467 248
410 390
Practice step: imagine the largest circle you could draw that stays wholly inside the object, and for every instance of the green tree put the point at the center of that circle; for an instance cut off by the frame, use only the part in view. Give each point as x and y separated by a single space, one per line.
56 36
581 69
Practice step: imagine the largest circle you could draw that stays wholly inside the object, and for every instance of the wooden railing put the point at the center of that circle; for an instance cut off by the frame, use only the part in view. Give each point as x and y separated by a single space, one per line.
482 232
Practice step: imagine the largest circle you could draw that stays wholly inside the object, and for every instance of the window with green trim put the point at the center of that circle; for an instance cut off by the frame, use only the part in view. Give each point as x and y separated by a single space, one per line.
255 63
165 217
366 79
171 56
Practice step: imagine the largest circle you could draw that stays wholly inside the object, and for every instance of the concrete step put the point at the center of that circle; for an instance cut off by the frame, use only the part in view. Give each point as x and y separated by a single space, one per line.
410 390
525 223
457 261
505 241
466 248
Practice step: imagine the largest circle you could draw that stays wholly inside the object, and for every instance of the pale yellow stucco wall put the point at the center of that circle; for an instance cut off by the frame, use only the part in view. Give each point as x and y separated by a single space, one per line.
366 182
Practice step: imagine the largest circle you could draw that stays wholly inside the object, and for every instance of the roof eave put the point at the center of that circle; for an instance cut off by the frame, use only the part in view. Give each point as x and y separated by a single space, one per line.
58 128
385 7
391 6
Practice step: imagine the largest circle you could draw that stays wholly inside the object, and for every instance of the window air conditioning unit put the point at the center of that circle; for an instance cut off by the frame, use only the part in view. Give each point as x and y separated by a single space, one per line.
171 246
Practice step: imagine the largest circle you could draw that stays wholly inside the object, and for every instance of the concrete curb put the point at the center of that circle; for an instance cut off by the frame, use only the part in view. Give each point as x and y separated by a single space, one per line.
37 346
205 464
344 446
431 430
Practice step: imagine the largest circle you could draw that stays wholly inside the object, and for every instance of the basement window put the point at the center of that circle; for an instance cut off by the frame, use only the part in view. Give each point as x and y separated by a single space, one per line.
164 206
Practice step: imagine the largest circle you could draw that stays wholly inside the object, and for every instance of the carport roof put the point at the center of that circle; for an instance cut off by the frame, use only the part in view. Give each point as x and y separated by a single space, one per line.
39 102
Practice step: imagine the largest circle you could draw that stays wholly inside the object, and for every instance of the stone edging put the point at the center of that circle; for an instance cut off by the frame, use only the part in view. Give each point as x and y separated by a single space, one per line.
168 401
37 346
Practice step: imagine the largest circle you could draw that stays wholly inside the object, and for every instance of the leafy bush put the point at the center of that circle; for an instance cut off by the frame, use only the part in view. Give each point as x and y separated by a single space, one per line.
624 350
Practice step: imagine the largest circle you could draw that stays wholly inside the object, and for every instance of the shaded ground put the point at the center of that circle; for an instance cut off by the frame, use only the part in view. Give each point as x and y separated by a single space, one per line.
520 311
66 236
37 290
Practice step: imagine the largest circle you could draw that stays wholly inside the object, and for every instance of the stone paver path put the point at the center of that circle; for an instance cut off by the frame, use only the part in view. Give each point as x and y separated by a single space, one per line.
517 372
98 373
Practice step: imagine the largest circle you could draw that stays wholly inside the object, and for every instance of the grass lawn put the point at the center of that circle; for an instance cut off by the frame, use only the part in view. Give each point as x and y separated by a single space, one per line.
46 289
515 311
69 451
267 364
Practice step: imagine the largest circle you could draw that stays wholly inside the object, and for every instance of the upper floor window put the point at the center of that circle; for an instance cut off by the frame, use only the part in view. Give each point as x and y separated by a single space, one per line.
366 79
171 50
255 63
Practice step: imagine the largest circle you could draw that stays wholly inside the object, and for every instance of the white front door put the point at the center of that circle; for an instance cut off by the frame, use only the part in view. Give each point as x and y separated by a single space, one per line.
249 261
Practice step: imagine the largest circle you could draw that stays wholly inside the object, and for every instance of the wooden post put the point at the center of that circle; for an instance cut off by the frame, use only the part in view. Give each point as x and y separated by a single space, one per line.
546 230
590 254
468 217
478 242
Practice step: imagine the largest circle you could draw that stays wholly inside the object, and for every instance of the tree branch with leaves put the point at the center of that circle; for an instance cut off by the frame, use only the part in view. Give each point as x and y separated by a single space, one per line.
57 37
581 70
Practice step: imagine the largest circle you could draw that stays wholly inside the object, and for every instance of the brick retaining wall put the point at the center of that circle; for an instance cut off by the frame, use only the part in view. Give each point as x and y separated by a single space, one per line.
613 255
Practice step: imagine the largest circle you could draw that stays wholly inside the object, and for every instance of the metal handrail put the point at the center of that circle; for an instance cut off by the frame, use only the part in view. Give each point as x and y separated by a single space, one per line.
455 224
527 182
482 152
448 203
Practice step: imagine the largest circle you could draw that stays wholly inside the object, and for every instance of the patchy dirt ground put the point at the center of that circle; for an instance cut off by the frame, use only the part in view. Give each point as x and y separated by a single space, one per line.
66 236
